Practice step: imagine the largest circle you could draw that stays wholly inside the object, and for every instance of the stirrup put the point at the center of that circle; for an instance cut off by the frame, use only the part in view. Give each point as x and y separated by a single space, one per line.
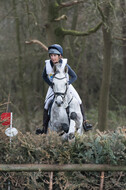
87 126
39 131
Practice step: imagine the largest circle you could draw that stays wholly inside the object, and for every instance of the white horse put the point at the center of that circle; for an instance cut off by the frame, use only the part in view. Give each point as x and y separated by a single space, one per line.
66 124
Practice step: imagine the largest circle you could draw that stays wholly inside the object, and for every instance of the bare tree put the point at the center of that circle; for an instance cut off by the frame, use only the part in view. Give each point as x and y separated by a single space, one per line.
106 76
123 5
20 70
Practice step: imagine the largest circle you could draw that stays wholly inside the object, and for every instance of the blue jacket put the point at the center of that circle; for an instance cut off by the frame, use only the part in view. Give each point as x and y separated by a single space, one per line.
71 73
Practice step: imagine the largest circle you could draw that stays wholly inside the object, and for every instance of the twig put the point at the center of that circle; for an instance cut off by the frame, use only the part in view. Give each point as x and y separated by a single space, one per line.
63 17
37 42
5 103
121 174
7 110
70 3
119 38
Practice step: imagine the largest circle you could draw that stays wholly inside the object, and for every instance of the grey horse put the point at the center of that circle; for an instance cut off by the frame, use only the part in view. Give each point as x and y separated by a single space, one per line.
63 122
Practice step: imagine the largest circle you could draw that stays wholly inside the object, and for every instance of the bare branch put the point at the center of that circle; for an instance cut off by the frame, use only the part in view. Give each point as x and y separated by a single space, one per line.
8 102
37 42
101 13
121 174
70 3
119 38
6 14
5 103
63 17
63 32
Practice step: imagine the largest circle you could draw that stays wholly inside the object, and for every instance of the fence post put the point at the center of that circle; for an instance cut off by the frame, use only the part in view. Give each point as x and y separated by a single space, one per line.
102 181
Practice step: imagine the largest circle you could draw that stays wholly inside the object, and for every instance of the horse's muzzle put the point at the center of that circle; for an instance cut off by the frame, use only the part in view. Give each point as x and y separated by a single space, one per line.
59 103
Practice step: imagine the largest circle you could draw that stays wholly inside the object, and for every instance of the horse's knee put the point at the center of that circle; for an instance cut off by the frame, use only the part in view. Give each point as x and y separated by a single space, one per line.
73 116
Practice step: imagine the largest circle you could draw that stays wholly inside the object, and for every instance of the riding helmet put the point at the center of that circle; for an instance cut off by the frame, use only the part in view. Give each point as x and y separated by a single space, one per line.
55 49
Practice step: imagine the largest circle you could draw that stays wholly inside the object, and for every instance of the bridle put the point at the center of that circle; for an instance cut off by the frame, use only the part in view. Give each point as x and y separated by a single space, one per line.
60 93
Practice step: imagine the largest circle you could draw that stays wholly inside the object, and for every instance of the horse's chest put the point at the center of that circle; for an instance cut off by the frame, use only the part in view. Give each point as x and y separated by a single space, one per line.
59 114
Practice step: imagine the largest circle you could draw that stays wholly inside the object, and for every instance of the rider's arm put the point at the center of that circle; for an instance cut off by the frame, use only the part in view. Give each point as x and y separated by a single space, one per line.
45 77
72 75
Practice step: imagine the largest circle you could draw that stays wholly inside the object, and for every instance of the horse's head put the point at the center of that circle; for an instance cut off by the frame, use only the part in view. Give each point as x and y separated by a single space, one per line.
60 85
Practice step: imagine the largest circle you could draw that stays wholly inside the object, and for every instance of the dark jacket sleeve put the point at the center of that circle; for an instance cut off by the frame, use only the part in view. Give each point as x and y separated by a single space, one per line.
72 75
45 77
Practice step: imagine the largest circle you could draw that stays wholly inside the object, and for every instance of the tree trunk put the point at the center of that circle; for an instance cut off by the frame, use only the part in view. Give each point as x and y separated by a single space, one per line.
123 5
20 68
72 38
52 25
106 78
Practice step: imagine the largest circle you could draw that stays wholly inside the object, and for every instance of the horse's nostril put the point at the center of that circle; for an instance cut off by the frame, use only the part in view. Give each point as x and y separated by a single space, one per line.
58 104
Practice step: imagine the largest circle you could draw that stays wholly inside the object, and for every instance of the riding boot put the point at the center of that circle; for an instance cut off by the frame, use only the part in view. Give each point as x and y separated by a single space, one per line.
45 121
86 126
82 111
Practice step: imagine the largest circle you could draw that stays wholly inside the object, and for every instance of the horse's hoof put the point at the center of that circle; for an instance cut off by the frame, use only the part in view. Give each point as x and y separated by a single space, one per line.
65 127
71 136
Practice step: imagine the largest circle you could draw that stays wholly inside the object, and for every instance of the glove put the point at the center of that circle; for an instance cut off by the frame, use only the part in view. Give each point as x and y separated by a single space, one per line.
51 85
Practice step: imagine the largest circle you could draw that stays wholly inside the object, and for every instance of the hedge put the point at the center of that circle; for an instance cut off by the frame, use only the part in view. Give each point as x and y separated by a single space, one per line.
91 148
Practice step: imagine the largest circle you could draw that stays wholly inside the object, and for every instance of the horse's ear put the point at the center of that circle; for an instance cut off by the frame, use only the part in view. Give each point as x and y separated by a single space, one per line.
66 69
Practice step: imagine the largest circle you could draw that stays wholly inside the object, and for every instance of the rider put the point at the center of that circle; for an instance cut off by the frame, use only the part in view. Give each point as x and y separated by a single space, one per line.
55 54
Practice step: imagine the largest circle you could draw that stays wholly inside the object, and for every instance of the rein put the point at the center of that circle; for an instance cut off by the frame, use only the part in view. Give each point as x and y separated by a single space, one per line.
59 78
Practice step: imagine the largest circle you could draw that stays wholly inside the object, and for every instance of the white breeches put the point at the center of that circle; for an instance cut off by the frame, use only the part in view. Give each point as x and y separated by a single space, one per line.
50 96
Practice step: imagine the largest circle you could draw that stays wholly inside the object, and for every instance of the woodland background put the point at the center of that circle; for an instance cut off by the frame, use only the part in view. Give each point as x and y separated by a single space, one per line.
93 36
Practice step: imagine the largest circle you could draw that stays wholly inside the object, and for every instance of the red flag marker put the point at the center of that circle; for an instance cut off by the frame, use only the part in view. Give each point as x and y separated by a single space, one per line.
5 118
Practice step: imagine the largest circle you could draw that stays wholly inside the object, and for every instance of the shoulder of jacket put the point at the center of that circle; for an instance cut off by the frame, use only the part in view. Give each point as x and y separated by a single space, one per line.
64 60
47 61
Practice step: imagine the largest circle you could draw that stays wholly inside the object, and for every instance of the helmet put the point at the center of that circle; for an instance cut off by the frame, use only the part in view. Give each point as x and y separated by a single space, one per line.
56 49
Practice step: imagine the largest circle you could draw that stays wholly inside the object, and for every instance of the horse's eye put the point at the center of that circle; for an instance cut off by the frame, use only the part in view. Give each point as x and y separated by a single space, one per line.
53 83
66 84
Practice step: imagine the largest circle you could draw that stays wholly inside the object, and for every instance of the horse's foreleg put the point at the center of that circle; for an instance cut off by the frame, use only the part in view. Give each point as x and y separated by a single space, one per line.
72 129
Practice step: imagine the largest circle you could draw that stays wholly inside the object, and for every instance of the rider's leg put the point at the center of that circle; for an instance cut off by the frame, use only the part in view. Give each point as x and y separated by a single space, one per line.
46 118
76 95
49 94
82 111
86 126
45 121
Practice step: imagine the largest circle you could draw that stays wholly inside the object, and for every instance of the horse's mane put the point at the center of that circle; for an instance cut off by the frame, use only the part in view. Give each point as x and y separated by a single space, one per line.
58 69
